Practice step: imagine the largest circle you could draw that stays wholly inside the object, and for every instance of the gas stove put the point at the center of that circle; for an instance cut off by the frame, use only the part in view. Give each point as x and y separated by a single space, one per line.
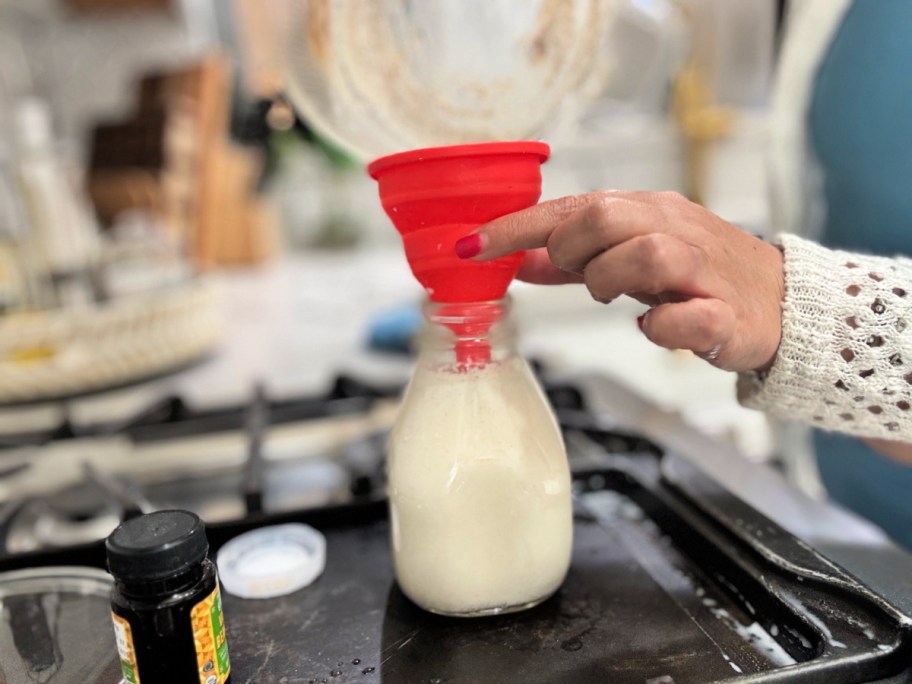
72 484
676 577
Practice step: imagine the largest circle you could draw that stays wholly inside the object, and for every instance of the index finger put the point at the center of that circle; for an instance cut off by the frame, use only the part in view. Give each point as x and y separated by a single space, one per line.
532 228
528 228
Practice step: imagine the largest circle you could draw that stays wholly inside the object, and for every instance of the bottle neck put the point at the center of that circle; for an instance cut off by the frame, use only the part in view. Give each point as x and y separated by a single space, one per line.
469 334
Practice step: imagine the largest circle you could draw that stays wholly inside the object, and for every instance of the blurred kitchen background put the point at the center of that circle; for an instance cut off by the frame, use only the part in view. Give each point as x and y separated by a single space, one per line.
181 252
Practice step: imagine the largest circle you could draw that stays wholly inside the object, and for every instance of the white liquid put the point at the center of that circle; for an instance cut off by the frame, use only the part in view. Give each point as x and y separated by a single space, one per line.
479 491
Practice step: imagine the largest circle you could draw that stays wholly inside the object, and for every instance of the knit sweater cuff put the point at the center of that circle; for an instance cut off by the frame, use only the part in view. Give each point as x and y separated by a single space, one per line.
840 361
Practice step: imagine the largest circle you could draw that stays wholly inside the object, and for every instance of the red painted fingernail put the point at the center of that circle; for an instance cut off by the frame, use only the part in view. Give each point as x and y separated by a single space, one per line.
640 319
468 246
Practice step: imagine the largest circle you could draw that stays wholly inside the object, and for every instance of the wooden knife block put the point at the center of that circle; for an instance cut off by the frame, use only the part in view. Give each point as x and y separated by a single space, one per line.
174 158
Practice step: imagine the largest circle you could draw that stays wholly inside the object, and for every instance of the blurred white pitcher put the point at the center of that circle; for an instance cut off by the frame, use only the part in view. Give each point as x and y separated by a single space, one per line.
382 76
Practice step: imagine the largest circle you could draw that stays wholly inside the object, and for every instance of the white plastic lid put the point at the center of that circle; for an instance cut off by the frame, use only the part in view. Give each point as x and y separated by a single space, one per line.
272 561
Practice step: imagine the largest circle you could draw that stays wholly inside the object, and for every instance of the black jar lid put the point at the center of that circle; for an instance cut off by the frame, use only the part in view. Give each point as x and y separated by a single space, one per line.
156 546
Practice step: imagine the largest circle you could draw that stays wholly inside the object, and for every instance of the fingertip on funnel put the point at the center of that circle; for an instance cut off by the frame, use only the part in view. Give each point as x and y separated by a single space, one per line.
435 196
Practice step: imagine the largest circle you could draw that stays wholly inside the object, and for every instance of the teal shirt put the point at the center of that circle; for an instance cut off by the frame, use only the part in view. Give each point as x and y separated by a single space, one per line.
860 127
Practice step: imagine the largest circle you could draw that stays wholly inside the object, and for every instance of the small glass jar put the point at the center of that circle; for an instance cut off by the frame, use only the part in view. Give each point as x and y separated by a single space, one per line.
479 486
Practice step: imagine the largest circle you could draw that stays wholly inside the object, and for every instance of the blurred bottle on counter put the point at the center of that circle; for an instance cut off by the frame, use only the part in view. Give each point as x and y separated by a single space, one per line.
14 282
165 603
479 485
61 242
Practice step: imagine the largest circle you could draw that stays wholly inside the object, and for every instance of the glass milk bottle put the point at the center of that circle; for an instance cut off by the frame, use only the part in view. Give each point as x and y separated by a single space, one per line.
479 485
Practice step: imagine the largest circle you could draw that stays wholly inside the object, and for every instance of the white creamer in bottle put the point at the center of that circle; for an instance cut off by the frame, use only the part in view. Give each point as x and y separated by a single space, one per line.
479 484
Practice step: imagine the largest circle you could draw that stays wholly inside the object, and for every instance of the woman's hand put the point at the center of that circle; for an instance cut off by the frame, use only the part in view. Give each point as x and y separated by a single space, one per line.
713 288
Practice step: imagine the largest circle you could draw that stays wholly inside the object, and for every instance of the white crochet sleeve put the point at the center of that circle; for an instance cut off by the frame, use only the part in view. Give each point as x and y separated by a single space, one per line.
845 359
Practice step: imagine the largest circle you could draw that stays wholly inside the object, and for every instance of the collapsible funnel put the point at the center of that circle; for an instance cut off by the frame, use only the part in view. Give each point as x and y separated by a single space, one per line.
437 195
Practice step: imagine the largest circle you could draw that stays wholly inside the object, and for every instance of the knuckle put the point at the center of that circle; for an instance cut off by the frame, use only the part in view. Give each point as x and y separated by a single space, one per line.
564 206
557 210
654 251
707 328
598 196
663 262
598 214
597 286
653 246
673 197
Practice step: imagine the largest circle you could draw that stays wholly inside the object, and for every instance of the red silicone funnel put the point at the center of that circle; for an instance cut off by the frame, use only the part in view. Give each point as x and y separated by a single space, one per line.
437 195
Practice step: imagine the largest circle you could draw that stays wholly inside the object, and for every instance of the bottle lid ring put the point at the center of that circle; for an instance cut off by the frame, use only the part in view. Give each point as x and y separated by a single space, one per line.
272 561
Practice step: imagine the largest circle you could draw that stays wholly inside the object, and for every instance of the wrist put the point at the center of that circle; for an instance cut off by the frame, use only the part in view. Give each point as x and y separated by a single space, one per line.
771 317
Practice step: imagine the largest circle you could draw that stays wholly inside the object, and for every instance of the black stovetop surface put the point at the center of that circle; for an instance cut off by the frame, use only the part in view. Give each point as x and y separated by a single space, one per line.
673 580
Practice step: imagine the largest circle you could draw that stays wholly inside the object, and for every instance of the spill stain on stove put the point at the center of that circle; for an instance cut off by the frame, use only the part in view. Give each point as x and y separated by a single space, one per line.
664 679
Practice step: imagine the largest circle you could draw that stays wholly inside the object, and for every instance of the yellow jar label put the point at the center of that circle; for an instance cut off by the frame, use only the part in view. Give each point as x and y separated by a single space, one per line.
125 650
209 639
